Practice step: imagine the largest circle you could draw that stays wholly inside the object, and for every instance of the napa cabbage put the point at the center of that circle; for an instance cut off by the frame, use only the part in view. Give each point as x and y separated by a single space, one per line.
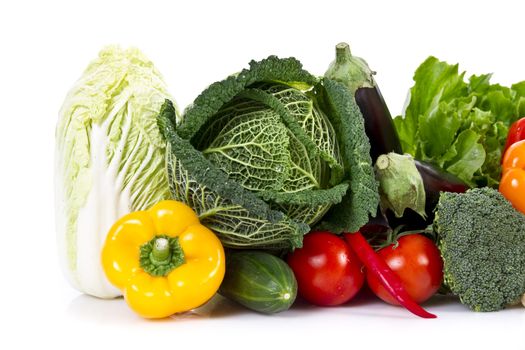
109 159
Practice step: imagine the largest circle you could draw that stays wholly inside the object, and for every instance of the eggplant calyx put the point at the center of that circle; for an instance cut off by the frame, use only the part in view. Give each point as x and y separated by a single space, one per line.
350 70
400 184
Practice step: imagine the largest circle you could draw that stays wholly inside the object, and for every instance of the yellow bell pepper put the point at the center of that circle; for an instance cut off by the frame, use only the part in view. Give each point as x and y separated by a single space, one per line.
163 260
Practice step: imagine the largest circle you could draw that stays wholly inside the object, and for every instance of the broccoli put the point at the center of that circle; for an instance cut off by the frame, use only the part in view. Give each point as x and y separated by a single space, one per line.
482 242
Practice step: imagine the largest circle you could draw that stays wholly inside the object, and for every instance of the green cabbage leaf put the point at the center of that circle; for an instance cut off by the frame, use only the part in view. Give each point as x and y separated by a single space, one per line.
268 153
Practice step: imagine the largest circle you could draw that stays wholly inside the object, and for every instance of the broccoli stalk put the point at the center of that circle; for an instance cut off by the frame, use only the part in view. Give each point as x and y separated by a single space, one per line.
482 241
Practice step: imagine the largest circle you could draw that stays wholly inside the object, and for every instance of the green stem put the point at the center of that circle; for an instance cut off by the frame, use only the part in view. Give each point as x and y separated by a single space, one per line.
382 162
342 53
351 71
161 255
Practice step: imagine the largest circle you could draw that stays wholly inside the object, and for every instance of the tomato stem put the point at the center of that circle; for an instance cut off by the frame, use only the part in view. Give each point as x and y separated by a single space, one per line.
384 274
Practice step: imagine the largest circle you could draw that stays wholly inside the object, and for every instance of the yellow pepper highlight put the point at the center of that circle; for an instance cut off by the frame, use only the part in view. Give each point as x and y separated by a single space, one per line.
163 260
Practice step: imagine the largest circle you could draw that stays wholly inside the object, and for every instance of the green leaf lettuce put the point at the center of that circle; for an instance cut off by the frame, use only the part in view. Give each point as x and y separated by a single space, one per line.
459 125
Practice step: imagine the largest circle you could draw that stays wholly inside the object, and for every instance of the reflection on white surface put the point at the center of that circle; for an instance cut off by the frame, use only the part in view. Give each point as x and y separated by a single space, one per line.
90 309
364 306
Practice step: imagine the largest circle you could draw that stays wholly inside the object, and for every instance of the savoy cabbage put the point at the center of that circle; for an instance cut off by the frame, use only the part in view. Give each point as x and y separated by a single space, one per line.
270 152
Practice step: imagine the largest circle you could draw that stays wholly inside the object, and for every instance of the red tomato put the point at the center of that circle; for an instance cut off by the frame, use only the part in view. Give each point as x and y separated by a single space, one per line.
417 262
327 270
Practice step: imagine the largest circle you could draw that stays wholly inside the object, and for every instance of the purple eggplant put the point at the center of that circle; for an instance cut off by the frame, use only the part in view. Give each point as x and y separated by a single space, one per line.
435 181
377 226
379 125
355 74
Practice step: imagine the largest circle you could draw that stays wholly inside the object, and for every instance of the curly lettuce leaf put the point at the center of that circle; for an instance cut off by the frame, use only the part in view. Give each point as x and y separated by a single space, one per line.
459 125
436 81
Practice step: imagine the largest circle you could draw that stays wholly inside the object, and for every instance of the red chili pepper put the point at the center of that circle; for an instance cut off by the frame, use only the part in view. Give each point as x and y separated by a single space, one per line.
386 276
516 133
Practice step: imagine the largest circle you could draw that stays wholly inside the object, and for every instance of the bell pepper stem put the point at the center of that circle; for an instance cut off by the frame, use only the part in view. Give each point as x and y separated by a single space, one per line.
161 255
161 251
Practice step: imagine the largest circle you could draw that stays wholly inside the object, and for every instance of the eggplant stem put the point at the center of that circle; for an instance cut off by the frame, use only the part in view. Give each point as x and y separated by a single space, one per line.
382 162
342 53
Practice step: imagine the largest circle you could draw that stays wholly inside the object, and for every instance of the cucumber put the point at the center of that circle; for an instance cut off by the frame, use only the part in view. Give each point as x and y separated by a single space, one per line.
259 281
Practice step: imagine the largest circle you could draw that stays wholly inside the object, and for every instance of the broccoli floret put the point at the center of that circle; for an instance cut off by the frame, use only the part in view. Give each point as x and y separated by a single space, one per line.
482 241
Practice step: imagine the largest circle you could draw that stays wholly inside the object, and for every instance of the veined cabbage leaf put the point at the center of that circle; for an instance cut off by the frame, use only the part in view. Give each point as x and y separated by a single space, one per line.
268 153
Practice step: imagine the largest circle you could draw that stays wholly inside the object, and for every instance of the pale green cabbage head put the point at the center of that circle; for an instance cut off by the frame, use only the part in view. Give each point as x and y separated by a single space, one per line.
109 158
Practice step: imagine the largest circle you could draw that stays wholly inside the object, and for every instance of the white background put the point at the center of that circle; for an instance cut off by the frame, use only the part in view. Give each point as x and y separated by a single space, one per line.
44 47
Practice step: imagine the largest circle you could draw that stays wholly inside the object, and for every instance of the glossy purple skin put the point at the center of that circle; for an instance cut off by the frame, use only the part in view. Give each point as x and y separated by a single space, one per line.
435 181
381 131
379 125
